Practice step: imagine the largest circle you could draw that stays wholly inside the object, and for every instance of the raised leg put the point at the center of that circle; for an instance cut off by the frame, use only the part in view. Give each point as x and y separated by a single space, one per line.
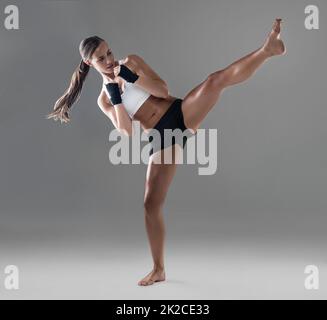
200 100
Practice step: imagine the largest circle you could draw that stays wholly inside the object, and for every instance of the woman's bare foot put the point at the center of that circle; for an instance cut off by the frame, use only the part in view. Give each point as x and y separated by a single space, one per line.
154 276
273 44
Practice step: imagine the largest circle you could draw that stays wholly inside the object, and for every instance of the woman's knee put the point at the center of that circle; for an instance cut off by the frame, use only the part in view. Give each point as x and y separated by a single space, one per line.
152 204
218 79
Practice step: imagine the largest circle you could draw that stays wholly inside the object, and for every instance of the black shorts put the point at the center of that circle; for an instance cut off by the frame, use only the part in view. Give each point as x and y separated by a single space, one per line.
172 119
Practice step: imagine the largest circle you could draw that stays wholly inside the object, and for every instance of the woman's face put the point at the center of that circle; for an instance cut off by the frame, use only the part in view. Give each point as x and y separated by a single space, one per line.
102 59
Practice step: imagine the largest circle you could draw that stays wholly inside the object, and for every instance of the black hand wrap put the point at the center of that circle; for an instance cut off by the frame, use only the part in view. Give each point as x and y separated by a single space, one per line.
127 74
113 90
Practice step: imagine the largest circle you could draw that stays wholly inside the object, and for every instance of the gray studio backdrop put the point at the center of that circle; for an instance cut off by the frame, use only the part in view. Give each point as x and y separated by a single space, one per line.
73 223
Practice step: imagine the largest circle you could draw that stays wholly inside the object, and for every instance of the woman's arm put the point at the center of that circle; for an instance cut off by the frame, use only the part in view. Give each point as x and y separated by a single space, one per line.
118 116
148 78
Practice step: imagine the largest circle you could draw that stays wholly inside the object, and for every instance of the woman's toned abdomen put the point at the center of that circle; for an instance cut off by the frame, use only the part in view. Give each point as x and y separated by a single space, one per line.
152 110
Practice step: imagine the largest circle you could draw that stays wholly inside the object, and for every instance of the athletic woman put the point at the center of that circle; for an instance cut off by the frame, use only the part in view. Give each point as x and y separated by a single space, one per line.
132 90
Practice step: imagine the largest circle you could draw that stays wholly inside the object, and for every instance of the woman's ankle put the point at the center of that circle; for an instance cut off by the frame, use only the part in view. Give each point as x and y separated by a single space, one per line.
159 268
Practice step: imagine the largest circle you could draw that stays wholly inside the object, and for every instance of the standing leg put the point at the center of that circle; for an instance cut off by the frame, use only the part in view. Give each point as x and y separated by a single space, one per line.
200 100
158 179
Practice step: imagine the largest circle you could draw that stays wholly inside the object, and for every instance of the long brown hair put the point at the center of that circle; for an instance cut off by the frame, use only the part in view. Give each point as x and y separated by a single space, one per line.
72 94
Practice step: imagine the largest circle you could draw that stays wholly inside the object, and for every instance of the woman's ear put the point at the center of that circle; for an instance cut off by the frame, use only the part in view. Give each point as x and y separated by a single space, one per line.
88 62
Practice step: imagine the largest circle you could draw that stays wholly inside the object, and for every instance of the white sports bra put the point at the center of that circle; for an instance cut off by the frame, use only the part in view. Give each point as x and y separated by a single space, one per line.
133 97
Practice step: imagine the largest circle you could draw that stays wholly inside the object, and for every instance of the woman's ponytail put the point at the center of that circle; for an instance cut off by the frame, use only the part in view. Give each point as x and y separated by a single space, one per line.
63 105
71 95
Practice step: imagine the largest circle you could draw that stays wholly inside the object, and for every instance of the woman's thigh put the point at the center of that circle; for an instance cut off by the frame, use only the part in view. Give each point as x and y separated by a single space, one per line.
201 99
159 176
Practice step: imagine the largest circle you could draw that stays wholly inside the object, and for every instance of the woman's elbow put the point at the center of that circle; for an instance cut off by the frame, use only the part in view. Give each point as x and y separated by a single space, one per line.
126 132
162 91
165 91
165 95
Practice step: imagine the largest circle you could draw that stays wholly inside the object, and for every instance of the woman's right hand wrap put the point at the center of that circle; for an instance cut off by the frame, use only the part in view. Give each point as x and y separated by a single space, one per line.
113 90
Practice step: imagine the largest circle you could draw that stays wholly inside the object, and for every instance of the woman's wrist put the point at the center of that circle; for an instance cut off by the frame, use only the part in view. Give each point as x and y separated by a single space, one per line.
127 74
114 93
